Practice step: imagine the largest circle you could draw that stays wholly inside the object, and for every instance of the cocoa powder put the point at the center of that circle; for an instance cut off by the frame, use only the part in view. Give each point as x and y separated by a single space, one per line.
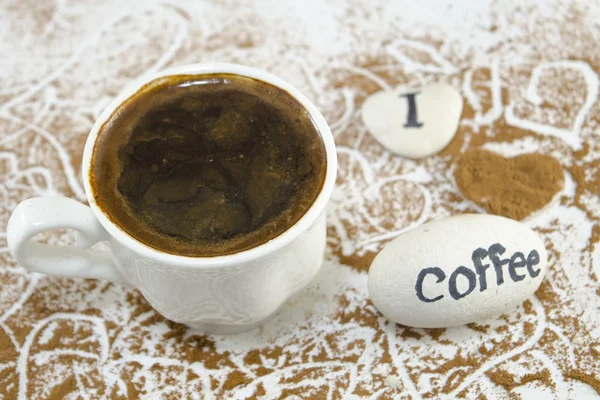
513 187
313 356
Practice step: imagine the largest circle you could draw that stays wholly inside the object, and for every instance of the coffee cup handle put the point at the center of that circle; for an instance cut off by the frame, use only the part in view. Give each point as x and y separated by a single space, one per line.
40 214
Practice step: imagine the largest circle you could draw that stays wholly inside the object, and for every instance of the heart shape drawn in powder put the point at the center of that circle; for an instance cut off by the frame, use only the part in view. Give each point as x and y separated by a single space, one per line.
368 209
539 105
511 187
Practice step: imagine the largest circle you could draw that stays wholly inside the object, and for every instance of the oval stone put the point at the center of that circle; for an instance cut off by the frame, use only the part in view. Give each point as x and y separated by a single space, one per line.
457 270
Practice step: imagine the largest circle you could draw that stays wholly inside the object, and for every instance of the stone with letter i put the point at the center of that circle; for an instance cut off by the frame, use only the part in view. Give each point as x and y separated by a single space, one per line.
414 123
411 117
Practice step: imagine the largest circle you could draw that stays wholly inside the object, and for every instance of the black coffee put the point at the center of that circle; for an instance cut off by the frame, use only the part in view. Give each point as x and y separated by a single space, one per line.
208 165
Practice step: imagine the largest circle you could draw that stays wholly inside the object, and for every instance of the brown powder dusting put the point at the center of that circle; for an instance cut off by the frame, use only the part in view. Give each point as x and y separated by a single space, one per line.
352 242
361 263
155 318
410 333
7 352
513 187
502 378
364 316
253 357
543 376
589 379
201 349
234 379
435 333
528 328
132 390
455 370
479 328
483 350
259 392
510 382
139 304
61 390
545 293
177 330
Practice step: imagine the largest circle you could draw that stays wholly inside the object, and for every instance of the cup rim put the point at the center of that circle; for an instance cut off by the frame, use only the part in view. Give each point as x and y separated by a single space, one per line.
262 250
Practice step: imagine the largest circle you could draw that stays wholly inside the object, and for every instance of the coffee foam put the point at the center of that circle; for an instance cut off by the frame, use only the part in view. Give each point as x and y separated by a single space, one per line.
207 165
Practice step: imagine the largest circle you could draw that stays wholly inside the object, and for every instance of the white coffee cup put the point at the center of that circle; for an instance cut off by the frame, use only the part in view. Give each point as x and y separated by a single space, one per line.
223 294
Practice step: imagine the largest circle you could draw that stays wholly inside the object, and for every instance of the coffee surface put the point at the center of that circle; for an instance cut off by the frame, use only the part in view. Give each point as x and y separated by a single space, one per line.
208 165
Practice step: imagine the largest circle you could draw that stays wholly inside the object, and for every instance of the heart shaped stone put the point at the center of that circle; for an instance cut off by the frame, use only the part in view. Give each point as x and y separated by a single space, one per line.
414 123
511 187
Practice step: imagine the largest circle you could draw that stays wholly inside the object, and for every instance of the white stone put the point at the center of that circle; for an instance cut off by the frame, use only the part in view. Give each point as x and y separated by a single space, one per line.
446 272
436 111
